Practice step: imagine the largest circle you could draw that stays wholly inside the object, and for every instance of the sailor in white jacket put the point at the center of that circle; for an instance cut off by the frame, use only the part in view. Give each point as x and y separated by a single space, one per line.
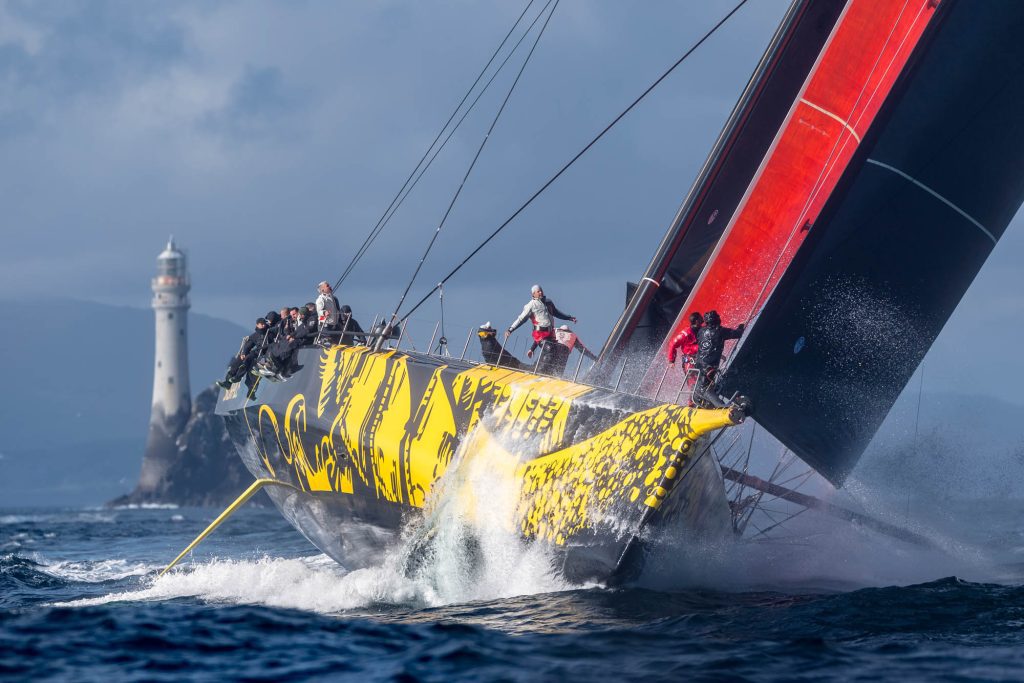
327 306
542 312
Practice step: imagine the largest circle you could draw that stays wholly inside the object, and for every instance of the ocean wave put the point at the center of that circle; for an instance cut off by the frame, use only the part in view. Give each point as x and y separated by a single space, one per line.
21 574
95 518
320 585
146 506
96 571
451 555
6 520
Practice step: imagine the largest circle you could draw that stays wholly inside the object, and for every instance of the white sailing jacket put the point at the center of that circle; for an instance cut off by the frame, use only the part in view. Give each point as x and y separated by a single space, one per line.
327 309
536 310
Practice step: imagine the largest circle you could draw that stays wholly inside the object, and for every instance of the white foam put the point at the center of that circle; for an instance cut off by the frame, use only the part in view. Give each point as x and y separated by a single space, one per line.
95 571
461 550
20 519
95 518
276 582
147 506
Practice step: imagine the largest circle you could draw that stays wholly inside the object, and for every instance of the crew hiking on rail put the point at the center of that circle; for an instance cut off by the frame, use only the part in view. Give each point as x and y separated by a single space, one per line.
271 350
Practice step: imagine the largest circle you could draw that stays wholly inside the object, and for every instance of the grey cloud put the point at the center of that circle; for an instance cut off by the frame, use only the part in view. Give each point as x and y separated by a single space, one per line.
260 103
91 47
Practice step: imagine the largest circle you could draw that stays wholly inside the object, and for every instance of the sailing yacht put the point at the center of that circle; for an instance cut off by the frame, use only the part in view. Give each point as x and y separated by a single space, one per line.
870 166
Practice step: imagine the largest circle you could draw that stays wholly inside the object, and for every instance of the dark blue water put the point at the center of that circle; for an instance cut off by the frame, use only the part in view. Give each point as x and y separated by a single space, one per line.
79 600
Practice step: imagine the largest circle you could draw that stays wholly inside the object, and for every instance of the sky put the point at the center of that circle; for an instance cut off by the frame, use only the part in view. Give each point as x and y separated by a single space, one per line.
268 138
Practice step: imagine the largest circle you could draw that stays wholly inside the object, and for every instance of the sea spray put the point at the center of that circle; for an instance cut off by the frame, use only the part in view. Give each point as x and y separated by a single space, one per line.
467 544
463 548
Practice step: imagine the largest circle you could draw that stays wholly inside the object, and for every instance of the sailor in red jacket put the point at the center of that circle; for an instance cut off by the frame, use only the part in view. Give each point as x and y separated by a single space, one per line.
686 342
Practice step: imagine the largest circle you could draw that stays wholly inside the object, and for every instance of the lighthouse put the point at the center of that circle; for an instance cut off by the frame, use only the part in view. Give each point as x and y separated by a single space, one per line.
172 397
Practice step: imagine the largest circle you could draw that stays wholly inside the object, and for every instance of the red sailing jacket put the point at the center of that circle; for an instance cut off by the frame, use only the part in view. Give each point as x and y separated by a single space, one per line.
685 341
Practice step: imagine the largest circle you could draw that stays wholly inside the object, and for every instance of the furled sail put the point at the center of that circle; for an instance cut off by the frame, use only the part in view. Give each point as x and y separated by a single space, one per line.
920 206
738 153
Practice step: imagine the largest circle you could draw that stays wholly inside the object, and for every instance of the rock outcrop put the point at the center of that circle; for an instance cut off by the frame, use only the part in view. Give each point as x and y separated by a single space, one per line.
198 466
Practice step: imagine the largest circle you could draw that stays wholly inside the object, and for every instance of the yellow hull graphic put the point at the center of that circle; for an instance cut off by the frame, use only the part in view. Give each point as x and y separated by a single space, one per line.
388 425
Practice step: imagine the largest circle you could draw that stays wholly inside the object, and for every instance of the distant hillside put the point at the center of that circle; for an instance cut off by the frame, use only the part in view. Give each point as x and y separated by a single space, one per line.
79 382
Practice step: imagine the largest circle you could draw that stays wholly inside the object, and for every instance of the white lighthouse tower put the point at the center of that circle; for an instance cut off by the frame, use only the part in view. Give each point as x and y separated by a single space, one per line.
172 398
171 395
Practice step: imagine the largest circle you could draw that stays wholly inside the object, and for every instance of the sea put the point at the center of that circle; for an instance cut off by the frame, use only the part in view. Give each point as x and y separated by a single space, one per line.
81 599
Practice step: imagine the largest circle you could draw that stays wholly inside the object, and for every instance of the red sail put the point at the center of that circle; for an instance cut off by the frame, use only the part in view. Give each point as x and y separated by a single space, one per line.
865 54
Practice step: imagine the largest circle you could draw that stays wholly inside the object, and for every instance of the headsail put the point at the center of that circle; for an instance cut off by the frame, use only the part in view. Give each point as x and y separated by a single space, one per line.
707 210
931 188
867 51
904 132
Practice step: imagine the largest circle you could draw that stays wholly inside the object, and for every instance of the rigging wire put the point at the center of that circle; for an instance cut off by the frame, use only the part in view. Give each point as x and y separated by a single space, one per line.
579 154
375 233
384 217
472 164
917 424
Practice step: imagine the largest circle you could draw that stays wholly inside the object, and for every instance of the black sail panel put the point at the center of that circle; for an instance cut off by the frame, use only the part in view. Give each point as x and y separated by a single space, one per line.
933 186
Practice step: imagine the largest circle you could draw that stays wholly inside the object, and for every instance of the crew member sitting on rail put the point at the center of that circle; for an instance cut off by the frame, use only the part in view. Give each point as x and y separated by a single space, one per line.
353 332
686 342
285 326
541 311
241 363
282 354
327 306
307 314
710 343
492 350
273 319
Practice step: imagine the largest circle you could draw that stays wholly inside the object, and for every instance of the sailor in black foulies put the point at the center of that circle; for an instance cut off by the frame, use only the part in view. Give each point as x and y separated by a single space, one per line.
293 335
310 324
273 319
492 350
354 334
285 324
710 343
242 362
